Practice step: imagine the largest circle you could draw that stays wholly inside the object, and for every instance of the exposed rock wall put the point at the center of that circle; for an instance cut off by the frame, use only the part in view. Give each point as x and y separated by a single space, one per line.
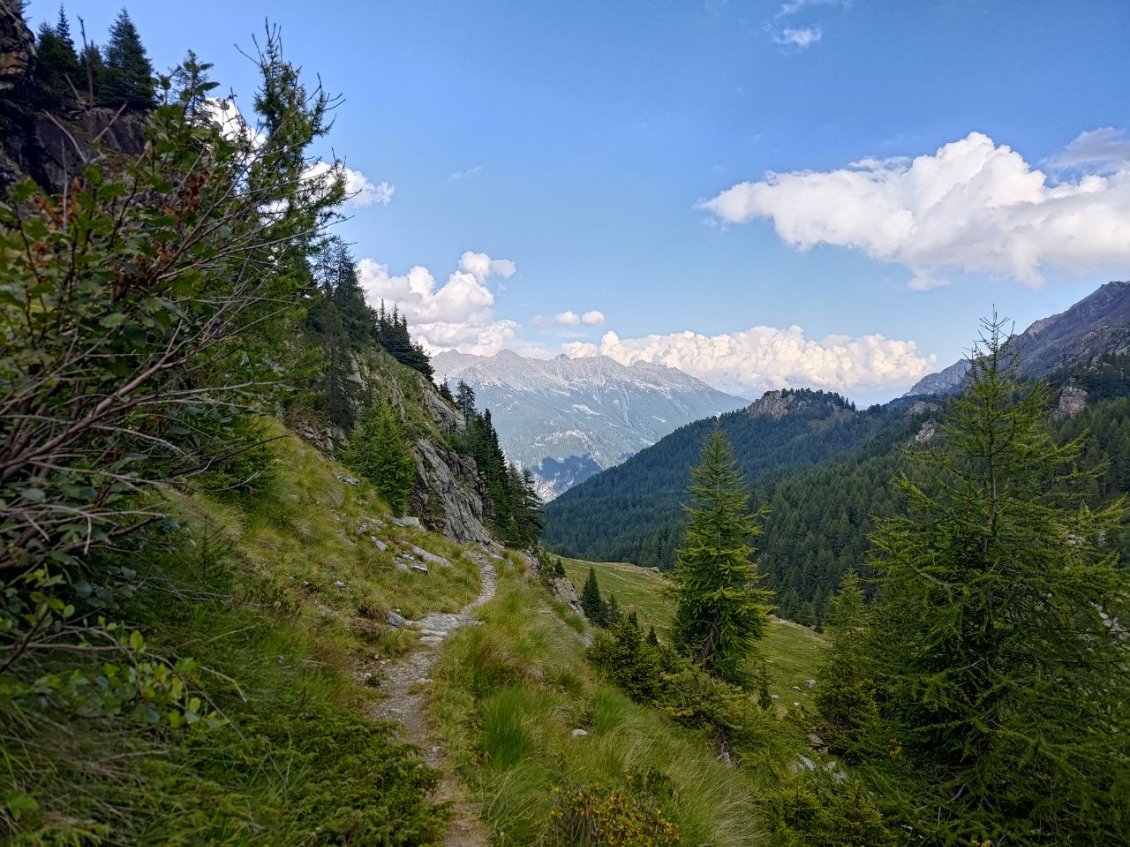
49 145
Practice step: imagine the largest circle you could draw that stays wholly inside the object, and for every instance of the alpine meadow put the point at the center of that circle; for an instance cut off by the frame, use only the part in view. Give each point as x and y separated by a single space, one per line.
500 424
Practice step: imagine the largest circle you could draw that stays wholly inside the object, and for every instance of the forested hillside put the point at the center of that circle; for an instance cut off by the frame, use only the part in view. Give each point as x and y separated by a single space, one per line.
822 481
633 512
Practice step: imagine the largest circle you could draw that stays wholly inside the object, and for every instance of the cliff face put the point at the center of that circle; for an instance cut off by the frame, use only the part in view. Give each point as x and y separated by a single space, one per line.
49 145
446 493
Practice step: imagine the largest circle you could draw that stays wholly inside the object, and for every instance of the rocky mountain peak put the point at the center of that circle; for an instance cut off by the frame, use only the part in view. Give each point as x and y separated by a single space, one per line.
777 404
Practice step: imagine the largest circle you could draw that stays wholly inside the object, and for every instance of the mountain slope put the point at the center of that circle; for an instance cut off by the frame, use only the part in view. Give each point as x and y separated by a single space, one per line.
566 419
633 512
1098 324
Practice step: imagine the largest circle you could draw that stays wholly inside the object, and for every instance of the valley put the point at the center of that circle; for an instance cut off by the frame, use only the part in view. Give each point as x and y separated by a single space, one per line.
296 551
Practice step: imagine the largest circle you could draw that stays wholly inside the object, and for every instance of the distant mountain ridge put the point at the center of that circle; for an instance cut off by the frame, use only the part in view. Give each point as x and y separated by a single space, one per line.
1097 325
567 419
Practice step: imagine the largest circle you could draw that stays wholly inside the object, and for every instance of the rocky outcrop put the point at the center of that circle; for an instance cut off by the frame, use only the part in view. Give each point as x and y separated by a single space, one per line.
442 496
17 47
1072 401
50 146
777 404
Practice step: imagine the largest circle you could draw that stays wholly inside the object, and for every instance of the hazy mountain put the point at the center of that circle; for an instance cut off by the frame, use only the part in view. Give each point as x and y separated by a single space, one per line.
1096 325
566 419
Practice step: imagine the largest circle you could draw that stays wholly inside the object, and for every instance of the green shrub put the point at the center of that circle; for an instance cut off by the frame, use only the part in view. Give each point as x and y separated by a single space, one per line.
593 816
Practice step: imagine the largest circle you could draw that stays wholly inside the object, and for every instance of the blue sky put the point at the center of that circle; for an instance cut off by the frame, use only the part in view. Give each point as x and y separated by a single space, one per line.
685 175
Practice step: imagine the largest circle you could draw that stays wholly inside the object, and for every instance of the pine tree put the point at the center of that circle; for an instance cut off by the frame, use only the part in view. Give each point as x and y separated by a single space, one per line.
1003 626
721 610
128 77
612 614
192 84
845 694
57 64
380 453
592 604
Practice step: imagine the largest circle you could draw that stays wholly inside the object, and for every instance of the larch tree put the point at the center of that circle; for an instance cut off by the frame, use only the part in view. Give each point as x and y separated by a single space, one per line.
721 609
1003 641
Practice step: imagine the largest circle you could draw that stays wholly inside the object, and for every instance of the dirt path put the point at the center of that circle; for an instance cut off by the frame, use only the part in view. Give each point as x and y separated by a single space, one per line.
405 684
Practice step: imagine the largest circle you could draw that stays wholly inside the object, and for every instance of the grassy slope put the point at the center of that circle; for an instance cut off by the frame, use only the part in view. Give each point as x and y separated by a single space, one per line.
509 695
282 602
792 651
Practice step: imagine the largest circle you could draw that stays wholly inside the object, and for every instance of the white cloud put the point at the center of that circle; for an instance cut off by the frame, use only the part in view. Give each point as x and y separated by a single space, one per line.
470 172
592 318
1104 150
359 191
762 358
801 38
571 318
791 7
481 266
972 207
456 315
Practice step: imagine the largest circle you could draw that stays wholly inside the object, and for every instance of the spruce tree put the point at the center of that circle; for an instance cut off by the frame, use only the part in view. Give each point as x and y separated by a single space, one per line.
845 695
1004 639
378 450
592 604
128 77
57 64
721 610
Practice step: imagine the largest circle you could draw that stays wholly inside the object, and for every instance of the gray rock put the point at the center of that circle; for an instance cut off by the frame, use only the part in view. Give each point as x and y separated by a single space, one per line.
1072 401
400 565
370 525
580 733
815 741
407 521
396 620
810 683
803 763
17 46
339 583
380 545
445 490
419 568
348 480
430 558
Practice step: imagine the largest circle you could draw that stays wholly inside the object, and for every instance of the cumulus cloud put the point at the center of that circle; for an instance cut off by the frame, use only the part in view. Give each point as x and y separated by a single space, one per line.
481 266
571 318
1104 150
359 191
801 37
592 318
762 358
456 315
972 206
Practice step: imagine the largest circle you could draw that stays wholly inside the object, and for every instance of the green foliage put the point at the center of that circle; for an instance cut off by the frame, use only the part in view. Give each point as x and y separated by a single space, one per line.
813 811
57 69
128 75
513 506
656 675
592 604
379 452
845 691
595 816
633 512
720 610
1003 661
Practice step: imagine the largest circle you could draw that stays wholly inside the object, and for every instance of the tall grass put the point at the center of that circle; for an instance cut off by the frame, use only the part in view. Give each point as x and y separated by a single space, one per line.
281 602
510 696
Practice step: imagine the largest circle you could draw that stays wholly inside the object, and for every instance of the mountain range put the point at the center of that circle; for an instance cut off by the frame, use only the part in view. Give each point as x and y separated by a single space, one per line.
567 419
823 469
1096 325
